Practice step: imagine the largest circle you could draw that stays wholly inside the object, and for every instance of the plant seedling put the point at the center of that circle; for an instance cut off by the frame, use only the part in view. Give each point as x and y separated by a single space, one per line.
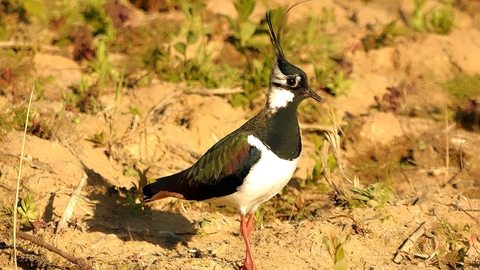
27 210
337 252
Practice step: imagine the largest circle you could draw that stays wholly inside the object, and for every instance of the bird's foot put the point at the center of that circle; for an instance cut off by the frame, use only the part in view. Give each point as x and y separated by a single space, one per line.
248 265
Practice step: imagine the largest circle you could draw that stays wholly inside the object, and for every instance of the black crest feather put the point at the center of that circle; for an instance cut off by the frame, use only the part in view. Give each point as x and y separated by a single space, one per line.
275 36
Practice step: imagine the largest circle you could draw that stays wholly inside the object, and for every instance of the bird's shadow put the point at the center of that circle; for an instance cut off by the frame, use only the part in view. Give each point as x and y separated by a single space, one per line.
115 214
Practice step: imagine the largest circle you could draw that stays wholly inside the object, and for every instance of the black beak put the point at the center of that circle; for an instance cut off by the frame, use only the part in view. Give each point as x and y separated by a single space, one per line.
310 93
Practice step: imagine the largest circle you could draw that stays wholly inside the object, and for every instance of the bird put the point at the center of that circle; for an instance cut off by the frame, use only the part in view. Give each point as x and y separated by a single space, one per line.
253 163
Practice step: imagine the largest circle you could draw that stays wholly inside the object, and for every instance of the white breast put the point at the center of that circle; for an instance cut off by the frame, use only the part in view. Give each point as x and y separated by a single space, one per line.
266 178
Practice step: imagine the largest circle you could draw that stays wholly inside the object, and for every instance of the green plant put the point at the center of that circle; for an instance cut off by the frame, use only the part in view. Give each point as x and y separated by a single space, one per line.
98 139
27 209
452 244
128 267
319 22
102 68
143 177
386 37
118 92
204 221
82 97
441 20
196 68
377 192
15 69
317 171
332 75
37 9
9 119
40 86
339 84
337 252
146 60
136 111
97 20
14 118
311 112
463 86
419 18
132 197
316 174
90 30
313 39
323 72
247 41
436 20
255 78
242 27
288 204
320 46
8 24
449 260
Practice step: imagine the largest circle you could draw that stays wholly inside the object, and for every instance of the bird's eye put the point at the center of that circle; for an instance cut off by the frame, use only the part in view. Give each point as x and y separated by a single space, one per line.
292 82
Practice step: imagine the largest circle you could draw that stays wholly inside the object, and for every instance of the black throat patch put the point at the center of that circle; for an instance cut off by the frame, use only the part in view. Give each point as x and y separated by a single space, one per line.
281 133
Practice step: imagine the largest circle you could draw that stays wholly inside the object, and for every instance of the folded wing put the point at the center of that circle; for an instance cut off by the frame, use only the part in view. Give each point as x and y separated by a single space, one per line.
219 172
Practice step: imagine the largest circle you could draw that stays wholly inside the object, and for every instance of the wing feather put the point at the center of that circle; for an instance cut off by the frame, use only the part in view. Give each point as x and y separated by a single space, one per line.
219 172
223 159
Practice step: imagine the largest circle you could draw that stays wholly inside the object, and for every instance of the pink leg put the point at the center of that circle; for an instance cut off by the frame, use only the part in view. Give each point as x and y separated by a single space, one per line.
246 230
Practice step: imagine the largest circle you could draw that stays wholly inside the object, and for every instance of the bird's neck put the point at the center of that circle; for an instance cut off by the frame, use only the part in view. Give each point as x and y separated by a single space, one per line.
278 98
281 132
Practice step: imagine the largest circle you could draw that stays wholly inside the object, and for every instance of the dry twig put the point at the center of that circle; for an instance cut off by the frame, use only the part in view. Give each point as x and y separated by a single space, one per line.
314 127
67 214
461 167
410 241
219 91
78 261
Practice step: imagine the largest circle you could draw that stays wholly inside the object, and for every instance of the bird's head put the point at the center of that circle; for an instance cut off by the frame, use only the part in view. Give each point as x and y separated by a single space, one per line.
288 83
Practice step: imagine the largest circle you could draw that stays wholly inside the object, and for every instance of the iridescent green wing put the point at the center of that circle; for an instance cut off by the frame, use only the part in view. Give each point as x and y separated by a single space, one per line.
231 157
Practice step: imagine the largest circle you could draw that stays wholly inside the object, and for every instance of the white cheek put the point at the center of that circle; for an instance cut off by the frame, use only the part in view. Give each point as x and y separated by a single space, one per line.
279 98
278 74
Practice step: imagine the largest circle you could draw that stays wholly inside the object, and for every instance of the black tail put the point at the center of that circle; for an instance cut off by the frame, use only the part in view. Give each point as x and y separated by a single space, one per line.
169 186
179 186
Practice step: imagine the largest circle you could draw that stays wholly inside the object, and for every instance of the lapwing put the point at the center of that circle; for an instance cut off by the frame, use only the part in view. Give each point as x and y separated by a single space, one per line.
253 163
